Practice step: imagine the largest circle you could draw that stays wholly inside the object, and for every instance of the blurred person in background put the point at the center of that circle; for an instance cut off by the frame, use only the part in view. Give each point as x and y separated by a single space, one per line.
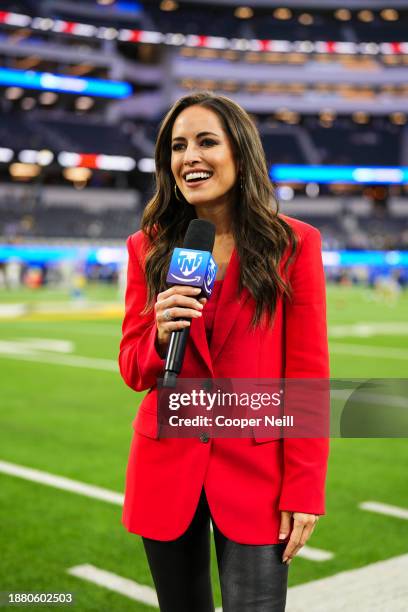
266 319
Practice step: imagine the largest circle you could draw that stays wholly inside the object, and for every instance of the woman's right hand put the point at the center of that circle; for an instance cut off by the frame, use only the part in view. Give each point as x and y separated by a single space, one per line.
176 302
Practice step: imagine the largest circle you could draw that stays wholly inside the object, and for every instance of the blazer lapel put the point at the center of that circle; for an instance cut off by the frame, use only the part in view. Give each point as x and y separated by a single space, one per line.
229 305
199 339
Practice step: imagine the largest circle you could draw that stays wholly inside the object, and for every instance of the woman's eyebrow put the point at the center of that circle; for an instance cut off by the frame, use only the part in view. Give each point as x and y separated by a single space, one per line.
198 135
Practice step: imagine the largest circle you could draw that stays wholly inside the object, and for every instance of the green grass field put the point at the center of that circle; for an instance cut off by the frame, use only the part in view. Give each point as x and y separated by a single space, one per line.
76 422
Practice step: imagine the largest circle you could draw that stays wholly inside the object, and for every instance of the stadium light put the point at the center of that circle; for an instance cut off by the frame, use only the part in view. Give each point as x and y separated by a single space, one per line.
95 161
59 82
343 14
169 5
350 175
71 28
389 14
243 12
24 171
282 13
14 93
30 156
306 19
146 164
28 103
365 16
6 154
77 175
48 97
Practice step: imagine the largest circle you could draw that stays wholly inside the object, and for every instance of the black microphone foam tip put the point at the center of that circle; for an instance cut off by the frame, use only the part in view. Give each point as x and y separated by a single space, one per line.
200 235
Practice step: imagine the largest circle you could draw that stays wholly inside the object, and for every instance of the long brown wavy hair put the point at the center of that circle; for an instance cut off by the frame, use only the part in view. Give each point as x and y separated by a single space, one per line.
261 236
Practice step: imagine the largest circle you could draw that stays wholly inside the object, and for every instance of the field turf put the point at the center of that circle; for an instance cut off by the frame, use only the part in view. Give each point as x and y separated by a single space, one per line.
75 421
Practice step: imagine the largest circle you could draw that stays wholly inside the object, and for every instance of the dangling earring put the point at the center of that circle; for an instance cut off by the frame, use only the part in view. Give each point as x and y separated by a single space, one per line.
241 182
175 193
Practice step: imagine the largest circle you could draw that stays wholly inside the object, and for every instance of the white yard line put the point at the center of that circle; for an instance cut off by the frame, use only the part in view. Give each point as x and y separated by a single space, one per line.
387 509
315 554
362 350
60 482
378 587
81 488
367 330
75 361
113 582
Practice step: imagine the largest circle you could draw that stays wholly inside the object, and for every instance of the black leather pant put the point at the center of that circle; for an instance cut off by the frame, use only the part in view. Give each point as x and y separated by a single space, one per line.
252 577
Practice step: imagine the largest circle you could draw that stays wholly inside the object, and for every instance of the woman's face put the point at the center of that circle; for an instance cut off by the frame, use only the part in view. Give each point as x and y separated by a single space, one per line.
200 144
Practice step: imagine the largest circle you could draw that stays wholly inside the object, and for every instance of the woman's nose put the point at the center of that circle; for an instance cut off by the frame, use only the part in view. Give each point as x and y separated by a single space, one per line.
191 153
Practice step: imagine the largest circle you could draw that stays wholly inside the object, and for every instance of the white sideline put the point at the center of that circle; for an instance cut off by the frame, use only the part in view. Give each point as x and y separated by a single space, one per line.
378 587
76 361
60 482
75 486
113 582
314 554
387 509
363 350
124 586
367 330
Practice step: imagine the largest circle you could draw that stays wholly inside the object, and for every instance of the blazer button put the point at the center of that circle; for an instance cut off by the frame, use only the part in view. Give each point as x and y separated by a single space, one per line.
204 437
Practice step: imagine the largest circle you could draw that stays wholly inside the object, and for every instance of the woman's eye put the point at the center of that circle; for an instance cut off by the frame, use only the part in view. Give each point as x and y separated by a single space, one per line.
206 142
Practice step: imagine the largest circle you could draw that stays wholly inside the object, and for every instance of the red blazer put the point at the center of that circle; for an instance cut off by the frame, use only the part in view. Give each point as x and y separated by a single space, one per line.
248 481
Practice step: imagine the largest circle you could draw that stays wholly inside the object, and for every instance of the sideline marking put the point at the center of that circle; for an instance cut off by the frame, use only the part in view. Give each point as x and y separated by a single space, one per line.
109 580
114 582
60 482
81 488
22 352
387 509
314 554
364 350
380 586
367 330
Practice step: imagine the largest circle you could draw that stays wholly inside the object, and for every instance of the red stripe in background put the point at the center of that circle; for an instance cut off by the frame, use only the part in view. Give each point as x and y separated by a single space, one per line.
202 41
69 27
87 160
135 36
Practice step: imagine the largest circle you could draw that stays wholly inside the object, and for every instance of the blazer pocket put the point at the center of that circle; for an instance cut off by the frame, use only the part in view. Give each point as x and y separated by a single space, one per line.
146 423
260 440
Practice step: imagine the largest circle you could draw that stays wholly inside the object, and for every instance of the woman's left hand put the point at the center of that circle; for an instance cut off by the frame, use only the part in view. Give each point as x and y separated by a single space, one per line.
303 525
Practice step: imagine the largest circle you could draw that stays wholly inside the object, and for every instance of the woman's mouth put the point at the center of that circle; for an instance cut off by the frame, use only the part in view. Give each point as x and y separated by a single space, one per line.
195 179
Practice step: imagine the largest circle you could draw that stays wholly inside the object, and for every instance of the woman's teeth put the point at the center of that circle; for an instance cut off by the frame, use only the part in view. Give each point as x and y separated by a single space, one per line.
197 176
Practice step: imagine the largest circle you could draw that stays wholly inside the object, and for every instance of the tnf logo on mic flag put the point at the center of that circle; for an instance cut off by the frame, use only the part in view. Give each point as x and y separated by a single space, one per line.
193 268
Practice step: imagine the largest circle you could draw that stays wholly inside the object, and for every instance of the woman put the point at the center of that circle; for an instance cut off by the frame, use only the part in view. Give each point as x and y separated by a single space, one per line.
266 319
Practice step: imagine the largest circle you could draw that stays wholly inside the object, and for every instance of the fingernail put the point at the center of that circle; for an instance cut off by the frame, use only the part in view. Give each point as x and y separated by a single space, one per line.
289 562
197 289
284 559
282 536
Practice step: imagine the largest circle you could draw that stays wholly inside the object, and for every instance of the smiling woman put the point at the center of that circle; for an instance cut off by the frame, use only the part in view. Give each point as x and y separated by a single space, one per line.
266 320
203 162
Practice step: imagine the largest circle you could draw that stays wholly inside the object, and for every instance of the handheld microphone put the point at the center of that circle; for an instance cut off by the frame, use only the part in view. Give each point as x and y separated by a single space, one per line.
191 265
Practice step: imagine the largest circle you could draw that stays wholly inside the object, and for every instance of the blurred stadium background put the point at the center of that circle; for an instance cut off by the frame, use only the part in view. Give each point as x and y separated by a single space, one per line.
83 87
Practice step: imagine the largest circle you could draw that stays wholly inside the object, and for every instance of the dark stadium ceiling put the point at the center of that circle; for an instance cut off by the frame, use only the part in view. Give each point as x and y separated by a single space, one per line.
310 4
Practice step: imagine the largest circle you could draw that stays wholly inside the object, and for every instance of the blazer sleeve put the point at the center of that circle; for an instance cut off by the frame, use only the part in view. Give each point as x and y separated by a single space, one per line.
139 363
306 356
